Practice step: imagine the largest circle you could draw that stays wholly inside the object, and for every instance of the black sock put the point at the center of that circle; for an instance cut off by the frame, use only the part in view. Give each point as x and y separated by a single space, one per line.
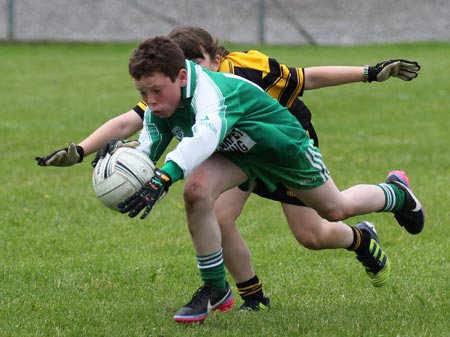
361 240
251 289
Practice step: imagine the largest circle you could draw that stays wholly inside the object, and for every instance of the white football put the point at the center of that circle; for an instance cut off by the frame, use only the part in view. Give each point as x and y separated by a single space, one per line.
118 176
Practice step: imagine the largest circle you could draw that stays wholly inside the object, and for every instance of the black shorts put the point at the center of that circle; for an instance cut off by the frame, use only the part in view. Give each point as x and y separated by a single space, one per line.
281 193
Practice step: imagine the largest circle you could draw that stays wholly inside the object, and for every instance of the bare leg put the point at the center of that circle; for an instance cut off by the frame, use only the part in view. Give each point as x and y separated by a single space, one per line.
313 232
235 250
203 187
334 205
310 230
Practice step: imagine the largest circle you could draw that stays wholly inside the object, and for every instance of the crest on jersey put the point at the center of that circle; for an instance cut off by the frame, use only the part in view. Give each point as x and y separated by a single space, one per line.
178 133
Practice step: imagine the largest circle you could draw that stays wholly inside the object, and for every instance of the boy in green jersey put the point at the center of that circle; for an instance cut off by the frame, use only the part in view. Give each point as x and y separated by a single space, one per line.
283 83
232 133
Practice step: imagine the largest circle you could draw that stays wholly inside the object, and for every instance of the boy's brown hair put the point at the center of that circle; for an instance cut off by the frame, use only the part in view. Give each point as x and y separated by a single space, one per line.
156 55
194 41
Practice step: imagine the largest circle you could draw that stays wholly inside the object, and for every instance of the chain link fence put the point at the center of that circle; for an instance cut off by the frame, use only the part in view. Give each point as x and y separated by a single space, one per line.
324 22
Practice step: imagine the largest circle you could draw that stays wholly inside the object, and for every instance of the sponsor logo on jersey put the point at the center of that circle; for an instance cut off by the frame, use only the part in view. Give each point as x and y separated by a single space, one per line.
236 140
206 122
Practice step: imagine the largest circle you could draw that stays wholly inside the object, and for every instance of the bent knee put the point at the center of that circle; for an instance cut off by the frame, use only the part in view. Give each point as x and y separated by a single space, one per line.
195 191
310 240
310 243
226 217
334 213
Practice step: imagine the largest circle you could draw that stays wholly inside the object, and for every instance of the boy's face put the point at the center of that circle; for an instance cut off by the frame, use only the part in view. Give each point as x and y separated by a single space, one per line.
161 94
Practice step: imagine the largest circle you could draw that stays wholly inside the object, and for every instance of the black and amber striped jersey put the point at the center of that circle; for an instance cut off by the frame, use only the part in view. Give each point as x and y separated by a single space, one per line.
281 82
140 108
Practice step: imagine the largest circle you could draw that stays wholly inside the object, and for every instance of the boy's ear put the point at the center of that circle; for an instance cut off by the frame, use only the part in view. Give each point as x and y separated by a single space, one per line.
182 77
216 63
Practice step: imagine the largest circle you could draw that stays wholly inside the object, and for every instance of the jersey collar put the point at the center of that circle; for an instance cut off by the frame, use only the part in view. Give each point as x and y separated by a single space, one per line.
226 66
191 72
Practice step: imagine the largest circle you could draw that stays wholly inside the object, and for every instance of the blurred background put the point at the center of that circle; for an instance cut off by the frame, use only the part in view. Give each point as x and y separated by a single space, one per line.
321 22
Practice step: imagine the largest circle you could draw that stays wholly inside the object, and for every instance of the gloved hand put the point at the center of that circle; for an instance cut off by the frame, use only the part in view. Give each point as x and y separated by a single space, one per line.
111 147
64 157
147 196
403 69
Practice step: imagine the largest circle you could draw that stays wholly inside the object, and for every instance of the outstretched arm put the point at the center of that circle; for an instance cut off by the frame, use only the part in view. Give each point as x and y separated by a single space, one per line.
327 76
122 126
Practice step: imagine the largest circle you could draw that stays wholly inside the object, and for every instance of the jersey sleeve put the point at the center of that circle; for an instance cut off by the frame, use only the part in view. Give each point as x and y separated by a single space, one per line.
192 151
208 131
140 108
281 82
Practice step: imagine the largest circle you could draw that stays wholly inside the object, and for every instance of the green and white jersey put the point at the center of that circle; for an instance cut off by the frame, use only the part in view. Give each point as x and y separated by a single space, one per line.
226 113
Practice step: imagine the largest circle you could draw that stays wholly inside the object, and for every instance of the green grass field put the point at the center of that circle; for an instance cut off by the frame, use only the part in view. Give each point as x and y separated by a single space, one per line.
71 267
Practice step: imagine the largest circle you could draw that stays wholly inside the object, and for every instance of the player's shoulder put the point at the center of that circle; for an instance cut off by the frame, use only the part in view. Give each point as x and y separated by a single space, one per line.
246 55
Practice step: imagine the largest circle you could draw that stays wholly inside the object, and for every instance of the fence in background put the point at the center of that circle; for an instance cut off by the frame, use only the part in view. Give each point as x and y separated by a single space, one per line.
251 21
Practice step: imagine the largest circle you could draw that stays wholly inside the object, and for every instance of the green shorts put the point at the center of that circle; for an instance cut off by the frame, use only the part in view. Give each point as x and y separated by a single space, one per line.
303 171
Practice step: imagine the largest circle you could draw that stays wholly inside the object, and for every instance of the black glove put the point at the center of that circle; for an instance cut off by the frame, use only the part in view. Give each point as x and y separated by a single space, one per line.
147 196
111 147
403 69
64 157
